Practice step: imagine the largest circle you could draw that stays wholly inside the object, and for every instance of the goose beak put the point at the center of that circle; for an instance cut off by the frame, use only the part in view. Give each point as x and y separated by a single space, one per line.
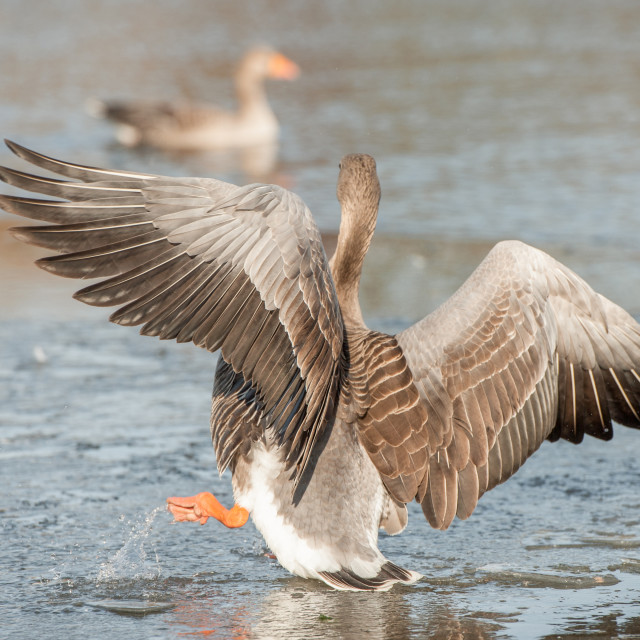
281 68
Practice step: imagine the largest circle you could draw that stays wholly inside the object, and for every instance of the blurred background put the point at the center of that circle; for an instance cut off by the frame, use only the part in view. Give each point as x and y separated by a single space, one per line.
488 119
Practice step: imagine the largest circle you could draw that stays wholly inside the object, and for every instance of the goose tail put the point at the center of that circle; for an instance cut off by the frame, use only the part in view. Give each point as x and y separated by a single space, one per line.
389 574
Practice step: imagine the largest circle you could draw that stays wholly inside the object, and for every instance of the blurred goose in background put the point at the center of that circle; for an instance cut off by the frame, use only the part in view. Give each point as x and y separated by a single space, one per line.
192 127
328 427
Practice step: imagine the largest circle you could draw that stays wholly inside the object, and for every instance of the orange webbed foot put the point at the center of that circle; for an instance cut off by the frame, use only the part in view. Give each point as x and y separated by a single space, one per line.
201 507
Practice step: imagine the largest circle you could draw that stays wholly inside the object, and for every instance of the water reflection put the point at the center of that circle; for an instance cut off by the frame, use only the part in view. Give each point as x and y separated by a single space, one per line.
302 610
294 609
599 626
212 615
256 163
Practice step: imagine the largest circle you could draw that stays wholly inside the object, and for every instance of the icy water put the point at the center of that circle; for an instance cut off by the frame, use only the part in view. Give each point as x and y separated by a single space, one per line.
488 120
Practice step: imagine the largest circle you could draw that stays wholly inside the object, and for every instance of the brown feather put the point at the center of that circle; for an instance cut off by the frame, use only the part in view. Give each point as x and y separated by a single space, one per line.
178 257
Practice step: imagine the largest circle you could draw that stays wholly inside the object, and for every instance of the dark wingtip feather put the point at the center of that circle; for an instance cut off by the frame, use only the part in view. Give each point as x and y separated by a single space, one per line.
18 149
6 203
50 266
57 188
6 174
22 234
86 173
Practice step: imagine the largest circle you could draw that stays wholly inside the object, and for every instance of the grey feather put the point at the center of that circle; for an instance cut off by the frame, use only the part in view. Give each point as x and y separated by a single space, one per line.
151 236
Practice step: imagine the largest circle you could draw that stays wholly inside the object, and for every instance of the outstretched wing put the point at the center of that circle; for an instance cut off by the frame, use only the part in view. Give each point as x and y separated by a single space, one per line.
524 350
240 269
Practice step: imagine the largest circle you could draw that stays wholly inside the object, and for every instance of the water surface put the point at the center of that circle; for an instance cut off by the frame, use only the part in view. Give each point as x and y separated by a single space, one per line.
488 120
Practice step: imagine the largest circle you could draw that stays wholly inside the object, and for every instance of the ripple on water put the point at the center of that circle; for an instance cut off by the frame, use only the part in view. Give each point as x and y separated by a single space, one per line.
532 579
627 565
555 540
132 607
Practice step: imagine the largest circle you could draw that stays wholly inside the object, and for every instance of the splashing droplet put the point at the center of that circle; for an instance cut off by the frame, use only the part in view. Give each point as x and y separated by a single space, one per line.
130 561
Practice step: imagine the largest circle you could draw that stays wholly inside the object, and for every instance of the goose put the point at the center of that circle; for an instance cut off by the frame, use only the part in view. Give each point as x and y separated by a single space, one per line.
191 127
330 428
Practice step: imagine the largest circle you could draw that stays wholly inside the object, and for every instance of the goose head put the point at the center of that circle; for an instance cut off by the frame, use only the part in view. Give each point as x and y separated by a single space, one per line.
263 62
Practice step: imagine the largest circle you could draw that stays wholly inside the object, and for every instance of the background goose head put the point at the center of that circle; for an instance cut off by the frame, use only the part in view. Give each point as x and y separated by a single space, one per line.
359 195
260 63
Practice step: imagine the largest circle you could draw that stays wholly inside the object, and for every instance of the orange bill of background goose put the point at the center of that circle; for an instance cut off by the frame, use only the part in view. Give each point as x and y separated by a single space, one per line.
189 126
330 428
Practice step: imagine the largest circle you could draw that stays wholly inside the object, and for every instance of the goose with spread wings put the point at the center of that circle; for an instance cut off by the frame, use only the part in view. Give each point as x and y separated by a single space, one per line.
328 427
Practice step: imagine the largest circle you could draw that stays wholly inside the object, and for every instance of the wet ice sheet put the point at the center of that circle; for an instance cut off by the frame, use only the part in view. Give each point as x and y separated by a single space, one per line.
95 438
488 120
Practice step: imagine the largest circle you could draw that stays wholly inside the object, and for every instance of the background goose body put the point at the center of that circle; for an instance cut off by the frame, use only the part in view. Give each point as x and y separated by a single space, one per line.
330 428
192 126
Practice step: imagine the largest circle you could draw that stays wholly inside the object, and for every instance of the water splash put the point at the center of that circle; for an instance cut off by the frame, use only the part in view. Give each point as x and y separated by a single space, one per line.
131 560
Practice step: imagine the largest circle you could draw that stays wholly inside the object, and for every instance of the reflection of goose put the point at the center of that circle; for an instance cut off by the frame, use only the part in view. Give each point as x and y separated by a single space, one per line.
189 126
295 611
330 428
309 610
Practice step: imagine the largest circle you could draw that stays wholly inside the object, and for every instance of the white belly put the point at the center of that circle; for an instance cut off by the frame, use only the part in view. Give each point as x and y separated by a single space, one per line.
300 546
293 552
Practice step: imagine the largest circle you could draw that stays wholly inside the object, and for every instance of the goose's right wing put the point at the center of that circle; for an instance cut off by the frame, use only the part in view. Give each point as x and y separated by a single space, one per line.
241 269
524 350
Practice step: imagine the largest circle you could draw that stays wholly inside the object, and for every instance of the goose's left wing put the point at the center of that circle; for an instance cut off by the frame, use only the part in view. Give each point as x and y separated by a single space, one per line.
240 269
